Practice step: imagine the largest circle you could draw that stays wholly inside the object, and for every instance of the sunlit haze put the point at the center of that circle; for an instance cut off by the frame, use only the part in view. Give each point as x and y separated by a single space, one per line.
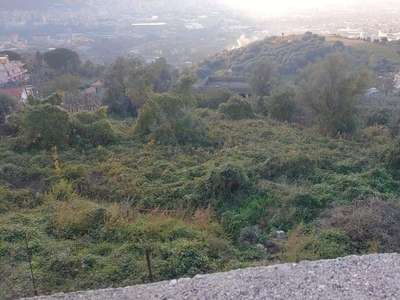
265 7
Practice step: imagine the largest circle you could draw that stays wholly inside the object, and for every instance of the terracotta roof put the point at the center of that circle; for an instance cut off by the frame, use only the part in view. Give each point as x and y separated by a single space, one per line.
15 92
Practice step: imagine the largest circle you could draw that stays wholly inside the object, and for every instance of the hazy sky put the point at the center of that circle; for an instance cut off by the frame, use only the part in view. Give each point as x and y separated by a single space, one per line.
262 6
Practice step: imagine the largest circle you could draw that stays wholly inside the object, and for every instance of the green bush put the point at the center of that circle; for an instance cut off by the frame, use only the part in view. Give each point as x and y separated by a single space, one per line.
224 184
381 117
293 165
237 108
167 120
100 133
213 98
44 126
280 105
329 244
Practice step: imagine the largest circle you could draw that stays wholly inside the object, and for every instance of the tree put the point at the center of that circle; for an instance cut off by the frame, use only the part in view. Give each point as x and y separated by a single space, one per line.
164 75
330 89
127 84
45 125
384 40
262 79
387 85
69 84
338 44
11 55
280 105
237 108
7 105
62 59
166 119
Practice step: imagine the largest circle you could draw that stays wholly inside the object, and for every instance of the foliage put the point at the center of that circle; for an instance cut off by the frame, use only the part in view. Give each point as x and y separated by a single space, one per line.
91 70
280 105
289 57
54 99
326 244
262 78
62 59
7 105
213 98
330 89
44 126
129 82
204 193
92 128
166 119
164 75
237 108
224 184
366 223
12 56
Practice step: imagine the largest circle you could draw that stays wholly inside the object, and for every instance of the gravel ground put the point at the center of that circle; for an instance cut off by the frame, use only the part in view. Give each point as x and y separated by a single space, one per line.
375 276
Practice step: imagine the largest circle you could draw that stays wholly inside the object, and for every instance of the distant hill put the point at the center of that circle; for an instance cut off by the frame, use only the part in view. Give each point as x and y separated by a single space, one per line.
28 4
293 53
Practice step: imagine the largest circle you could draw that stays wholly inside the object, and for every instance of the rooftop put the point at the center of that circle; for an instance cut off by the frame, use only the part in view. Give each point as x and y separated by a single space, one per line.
237 85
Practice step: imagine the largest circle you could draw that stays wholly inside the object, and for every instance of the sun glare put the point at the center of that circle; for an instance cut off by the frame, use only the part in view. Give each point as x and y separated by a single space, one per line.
262 7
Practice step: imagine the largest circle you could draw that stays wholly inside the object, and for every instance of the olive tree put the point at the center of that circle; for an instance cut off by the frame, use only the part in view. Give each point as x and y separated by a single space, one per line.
330 88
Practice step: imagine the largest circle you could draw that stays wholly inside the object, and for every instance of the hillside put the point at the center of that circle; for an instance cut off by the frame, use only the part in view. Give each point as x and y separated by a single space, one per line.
293 53
201 181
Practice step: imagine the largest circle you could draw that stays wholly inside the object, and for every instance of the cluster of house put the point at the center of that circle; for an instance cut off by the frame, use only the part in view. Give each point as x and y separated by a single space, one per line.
14 81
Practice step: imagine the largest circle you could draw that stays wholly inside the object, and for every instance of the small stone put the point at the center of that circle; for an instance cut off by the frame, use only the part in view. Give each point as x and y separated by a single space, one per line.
280 234
173 282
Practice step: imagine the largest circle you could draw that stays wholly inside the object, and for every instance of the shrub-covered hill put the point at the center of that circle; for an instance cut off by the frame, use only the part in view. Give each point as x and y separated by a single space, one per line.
294 53
91 213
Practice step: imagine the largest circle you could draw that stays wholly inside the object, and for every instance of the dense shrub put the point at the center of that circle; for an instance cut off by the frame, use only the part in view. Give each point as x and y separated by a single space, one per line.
280 105
370 225
380 117
237 108
91 129
304 244
45 125
167 120
225 183
213 98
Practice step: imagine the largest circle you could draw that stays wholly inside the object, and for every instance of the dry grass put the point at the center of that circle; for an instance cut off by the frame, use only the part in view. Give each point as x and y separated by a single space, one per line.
296 243
388 51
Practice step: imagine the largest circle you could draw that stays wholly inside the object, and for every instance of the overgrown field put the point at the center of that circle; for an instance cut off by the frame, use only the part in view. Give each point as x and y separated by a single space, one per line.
91 213
202 181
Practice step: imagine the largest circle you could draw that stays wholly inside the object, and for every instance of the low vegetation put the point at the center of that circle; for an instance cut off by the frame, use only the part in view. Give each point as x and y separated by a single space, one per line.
203 181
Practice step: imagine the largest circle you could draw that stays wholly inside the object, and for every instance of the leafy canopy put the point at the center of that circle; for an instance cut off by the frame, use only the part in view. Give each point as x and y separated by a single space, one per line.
329 88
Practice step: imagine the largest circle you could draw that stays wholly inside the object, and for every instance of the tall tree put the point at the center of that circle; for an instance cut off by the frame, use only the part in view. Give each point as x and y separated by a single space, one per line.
69 85
262 79
11 55
127 84
164 75
62 59
7 105
329 88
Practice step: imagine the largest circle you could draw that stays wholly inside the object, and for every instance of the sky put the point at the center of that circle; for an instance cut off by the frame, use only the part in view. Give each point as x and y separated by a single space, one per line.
262 6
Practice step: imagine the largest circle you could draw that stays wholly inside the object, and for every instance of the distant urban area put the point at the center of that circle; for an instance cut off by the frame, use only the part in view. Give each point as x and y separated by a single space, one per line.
182 32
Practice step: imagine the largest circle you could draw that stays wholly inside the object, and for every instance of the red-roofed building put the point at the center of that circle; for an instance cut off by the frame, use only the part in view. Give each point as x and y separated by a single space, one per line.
18 93
94 89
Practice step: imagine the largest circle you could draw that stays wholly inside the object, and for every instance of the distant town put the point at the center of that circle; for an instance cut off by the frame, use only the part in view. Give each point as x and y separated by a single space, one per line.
182 32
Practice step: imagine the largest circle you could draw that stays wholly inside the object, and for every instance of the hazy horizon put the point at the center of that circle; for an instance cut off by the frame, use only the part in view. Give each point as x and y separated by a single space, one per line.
257 7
